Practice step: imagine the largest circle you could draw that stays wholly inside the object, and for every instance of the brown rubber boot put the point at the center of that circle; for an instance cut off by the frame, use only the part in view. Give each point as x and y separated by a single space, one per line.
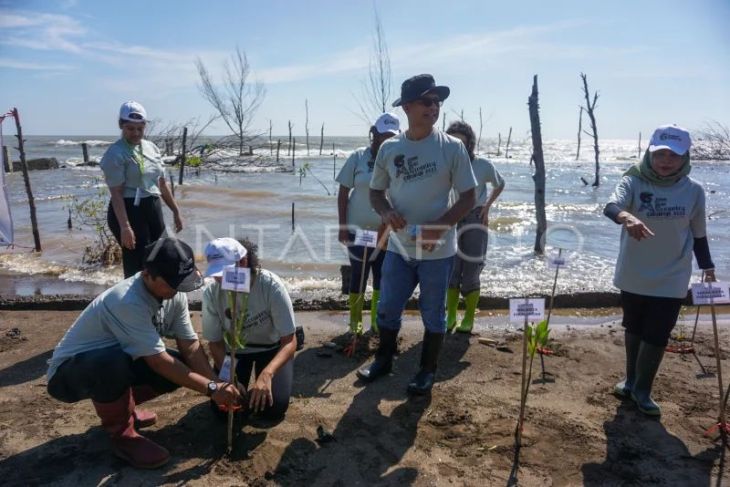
117 419
142 417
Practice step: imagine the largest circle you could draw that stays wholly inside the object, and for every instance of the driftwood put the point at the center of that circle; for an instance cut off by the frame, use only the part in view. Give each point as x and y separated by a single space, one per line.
26 178
539 175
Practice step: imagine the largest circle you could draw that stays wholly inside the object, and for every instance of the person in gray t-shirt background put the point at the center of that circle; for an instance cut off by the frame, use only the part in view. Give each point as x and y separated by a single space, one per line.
419 169
471 234
355 212
134 172
662 211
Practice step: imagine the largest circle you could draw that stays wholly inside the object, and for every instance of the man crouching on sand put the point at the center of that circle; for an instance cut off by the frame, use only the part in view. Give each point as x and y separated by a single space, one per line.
114 354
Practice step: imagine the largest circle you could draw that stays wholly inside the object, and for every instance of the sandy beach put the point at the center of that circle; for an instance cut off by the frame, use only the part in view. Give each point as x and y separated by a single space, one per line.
577 432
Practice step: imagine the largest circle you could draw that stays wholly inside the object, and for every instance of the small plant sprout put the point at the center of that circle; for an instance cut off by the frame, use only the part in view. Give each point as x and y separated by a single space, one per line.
535 337
235 339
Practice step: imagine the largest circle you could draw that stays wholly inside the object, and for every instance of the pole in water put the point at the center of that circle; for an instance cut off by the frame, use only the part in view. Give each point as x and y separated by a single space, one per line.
234 343
292 216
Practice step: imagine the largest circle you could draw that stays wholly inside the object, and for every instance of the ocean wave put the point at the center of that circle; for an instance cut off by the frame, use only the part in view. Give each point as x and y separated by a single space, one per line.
90 143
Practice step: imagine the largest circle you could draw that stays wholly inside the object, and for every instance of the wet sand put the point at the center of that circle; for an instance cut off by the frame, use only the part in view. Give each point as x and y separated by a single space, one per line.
576 432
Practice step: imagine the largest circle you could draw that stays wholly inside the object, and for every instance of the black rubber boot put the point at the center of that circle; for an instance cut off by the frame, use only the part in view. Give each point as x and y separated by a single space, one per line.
424 379
383 363
647 365
623 389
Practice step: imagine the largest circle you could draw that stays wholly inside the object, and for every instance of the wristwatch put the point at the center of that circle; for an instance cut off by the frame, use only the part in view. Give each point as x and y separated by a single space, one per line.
212 387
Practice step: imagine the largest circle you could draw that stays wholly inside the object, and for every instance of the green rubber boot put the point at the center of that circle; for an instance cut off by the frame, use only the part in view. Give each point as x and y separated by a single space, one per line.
647 365
632 342
355 301
452 302
471 300
374 311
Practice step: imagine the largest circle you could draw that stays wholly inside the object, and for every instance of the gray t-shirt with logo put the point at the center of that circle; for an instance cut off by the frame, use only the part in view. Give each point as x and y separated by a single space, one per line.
269 316
129 316
660 265
121 167
356 175
419 176
485 172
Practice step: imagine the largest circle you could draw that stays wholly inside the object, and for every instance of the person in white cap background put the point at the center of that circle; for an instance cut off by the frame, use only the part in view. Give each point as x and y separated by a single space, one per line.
662 213
472 235
268 329
114 354
355 212
418 168
134 173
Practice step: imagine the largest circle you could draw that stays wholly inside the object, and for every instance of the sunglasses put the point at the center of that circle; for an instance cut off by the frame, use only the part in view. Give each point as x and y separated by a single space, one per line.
427 102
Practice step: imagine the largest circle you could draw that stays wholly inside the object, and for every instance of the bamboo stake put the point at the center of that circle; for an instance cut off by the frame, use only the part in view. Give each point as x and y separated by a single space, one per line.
523 390
722 425
232 347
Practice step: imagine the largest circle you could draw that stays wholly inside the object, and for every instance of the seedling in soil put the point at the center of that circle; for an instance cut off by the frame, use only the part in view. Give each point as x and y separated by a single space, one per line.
235 340
534 336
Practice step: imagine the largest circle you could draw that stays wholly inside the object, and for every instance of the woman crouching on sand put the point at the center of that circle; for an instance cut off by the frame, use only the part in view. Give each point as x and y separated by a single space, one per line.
662 211
268 328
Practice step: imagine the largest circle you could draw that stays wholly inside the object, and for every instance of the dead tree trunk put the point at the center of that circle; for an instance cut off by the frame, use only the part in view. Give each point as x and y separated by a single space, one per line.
306 123
506 147
499 144
590 107
481 126
278 148
321 139
26 178
580 129
539 175
85 153
183 156
271 144
288 149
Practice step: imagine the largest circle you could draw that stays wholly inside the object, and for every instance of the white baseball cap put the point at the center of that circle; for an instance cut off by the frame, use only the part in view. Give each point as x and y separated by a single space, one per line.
671 137
222 252
387 123
132 111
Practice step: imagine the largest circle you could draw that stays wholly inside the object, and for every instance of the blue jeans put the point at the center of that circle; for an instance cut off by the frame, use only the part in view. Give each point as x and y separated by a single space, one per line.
400 277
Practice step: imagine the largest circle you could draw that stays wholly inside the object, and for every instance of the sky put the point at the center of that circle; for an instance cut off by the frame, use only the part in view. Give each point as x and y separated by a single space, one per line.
68 65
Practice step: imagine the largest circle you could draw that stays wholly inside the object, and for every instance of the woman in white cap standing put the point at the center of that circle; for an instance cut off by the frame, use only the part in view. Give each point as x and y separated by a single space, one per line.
662 211
268 327
355 212
134 172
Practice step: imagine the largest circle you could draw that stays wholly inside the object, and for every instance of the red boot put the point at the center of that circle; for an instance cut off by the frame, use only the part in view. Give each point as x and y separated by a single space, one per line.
143 418
117 419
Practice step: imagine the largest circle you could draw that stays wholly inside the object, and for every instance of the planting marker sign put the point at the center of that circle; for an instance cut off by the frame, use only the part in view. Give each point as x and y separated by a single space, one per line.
710 293
237 279
521 309
366 238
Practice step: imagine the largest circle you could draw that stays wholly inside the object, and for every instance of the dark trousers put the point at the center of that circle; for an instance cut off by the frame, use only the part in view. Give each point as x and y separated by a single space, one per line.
650 317
102 375
148 225
281 383
374 261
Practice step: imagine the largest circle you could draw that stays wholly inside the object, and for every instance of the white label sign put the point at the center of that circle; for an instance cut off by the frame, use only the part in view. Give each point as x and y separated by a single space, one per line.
366 238
236 279
557 261
520 308
710 293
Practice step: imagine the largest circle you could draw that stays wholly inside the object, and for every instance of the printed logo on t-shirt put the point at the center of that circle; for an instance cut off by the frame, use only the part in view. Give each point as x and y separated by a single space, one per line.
657 207
411 169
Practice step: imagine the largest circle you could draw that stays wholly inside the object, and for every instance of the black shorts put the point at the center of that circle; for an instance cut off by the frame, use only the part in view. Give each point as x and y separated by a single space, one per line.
650 317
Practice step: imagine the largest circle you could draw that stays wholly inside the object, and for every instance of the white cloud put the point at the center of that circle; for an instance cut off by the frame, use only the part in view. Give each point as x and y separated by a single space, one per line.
15 64
40 31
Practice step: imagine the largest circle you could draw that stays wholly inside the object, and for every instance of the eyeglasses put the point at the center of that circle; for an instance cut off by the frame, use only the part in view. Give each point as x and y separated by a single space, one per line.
427 102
